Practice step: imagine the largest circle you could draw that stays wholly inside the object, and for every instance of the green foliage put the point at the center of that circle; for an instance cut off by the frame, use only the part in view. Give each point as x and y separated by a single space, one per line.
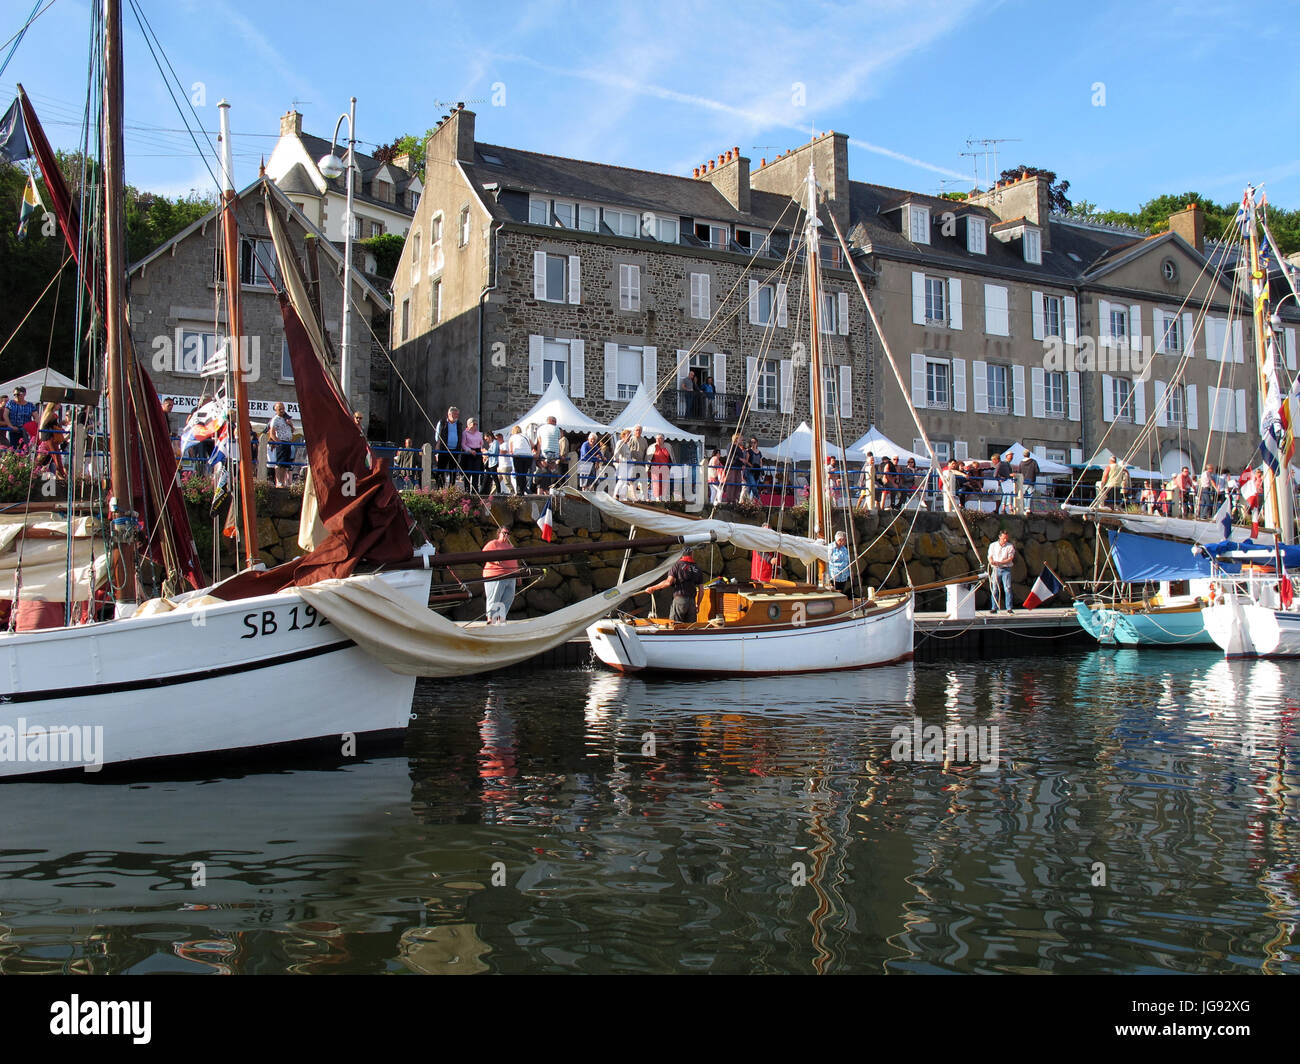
441 507
387 249
407 144
1219 218
16 476
152 220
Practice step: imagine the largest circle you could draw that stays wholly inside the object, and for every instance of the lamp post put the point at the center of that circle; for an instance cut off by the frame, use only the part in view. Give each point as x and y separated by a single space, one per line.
331 166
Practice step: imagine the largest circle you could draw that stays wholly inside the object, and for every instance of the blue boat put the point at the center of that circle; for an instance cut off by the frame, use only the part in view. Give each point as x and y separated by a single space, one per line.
1138 624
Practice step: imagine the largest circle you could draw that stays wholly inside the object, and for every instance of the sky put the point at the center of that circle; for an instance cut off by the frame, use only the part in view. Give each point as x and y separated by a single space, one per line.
1125 100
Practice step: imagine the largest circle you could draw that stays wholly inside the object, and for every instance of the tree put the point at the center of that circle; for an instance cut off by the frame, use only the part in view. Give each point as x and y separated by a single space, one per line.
1056 195
387 249
407 144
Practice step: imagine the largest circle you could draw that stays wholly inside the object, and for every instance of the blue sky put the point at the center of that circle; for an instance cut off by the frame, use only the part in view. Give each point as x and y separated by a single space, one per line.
1126 100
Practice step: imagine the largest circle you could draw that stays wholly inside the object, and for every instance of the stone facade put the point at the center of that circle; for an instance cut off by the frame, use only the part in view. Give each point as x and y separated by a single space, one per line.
177 310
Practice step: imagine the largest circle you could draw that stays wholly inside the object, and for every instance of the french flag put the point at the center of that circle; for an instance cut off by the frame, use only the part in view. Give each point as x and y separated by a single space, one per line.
546 524
1048 585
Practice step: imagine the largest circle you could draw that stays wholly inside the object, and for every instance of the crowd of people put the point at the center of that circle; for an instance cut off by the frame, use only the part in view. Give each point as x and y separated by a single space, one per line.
29 428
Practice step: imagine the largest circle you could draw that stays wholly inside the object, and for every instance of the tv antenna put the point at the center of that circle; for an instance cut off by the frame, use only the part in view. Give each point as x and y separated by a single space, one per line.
988 151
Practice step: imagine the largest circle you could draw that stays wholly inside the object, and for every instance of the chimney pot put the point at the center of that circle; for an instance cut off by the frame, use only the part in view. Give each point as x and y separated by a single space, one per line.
763 163
460 105
736 149
697 171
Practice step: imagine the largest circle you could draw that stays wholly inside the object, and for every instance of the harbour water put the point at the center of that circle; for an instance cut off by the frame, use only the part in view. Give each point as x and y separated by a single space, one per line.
1113 811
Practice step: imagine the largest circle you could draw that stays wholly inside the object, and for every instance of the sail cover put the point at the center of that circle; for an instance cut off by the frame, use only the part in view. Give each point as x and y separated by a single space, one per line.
1139 559
748 537
408 638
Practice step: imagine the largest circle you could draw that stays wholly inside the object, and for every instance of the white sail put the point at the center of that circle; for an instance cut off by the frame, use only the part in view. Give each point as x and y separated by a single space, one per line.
747 537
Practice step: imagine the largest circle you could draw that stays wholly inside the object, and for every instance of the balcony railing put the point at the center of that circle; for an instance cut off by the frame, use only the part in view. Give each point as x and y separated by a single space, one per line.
717 409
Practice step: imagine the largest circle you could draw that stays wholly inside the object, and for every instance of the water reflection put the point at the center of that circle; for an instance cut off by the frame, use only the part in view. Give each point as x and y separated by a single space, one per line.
1141 816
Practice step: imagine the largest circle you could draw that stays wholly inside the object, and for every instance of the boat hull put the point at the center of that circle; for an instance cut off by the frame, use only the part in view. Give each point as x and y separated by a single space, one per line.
1152 628
258 673
1245 629
878 638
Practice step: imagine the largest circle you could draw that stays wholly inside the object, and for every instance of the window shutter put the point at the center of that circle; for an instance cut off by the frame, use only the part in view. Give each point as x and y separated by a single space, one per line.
918 382
918 299
1135 328
1162 415
650 371
753 302
751 376
1241 409
693 294
1036 309
1139 402
611 371
1107 398
539 274
1018 391
1189 323
683 366
1289 344
636 287
959 385
954 302
1214 337
996 318
1038 385
1071 321
780 306
980 379
1212 398
705 297
1039 452
1238 345
575 279
918 445
1076 455
1158 330
960 451
535 348
1104 339
846 391
843 300
1189 406
624 294
787 386
719 371
577 369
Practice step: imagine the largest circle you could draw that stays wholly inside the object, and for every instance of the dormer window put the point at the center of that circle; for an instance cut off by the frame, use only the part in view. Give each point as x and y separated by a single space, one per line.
715 236
976 236
918 224
1033 246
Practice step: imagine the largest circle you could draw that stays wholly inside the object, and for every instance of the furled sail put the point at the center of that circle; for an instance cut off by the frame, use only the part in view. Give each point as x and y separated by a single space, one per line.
747 537
412 640
357 502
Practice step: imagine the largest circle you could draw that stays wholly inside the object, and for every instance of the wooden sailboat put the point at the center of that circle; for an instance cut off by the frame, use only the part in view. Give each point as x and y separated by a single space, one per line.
774 626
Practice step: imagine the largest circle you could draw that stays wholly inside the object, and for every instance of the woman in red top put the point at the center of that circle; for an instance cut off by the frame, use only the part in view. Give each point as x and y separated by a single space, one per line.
660 459
500 586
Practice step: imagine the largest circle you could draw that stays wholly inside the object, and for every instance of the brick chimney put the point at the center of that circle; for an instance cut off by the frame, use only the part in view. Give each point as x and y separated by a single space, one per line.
453 138
1189 223
403 161
731 178
1028 196
291 124
829 154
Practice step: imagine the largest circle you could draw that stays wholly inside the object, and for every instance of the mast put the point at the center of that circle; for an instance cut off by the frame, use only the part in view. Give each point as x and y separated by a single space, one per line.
235 344
817 524
121 513
1277 503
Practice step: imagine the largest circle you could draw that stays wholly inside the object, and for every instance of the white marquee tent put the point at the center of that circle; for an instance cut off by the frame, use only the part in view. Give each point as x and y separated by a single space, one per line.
882 447
35 381
554 403
1045 465
641 410
797 447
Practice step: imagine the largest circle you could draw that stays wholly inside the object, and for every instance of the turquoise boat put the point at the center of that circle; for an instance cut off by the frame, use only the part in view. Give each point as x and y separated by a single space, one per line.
1142 625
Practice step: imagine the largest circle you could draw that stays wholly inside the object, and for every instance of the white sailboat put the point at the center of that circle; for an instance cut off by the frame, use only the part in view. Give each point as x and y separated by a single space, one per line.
773 626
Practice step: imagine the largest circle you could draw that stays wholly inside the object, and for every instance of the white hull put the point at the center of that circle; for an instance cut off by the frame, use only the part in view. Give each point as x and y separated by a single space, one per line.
254 673
853 643
1247 630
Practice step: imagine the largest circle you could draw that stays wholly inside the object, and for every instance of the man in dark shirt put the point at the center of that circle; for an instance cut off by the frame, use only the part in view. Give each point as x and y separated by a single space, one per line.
1029 475
685 578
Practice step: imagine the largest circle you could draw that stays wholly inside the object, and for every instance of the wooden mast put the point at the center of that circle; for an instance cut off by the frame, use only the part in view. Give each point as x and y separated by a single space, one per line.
121 512
235 344
817 523
1277 503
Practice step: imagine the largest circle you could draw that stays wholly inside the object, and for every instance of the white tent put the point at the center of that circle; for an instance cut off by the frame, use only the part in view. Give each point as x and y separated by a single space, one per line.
882 447
554 403
35 381
1102 458
797 447
1045 465
640 410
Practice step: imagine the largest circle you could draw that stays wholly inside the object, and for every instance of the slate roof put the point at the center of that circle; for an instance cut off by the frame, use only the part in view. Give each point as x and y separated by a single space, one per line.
317 147
298 181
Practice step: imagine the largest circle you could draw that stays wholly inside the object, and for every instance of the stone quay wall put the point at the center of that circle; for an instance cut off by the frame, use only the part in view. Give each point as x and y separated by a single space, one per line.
931 547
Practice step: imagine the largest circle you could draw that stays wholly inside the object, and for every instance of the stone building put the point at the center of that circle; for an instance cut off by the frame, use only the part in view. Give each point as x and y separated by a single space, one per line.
1007 321
178 316
521 267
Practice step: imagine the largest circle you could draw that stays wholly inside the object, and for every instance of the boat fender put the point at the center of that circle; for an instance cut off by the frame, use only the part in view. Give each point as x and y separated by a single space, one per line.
1213 594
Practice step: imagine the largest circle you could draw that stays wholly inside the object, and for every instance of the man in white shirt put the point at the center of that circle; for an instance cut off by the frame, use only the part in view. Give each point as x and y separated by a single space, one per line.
549 439
1002 556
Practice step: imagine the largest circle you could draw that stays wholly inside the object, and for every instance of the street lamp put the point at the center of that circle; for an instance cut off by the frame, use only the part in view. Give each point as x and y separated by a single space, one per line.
331 166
